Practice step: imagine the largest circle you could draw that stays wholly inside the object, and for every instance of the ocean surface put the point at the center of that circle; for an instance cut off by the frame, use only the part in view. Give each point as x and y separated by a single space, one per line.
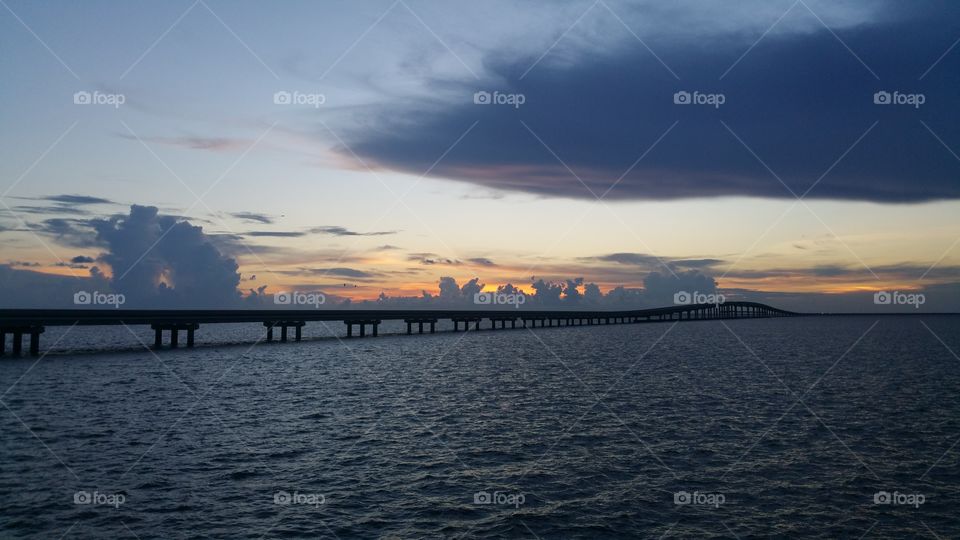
820 427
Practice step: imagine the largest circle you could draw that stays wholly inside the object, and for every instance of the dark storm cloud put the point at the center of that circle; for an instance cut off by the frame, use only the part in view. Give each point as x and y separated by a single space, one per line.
799 101
482 261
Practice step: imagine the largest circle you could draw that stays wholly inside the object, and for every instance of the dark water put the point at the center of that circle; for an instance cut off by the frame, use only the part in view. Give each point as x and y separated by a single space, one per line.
590 432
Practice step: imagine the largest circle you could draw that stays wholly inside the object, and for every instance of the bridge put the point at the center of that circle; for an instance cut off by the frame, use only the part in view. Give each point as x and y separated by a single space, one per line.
20 323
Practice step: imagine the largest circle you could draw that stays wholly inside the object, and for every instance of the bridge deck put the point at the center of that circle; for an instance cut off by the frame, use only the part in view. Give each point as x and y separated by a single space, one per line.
31 322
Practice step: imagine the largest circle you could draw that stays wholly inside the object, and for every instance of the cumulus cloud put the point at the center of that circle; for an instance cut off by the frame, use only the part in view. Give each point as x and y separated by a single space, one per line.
159 260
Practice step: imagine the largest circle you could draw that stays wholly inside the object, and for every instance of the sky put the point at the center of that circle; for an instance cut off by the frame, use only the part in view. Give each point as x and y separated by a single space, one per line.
802 153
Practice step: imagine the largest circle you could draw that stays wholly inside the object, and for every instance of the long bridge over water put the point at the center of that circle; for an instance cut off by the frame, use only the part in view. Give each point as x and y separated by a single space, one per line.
20 323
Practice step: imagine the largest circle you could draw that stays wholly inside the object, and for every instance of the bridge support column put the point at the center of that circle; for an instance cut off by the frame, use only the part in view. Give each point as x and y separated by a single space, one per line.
157 338
410 328
35 332
17 342
420 327
283 334
432 326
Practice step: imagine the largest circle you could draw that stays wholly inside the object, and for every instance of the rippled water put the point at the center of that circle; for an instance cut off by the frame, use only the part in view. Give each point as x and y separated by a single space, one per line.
780 427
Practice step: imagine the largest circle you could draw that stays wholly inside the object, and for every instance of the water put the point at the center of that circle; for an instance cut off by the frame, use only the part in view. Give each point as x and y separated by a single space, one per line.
587 432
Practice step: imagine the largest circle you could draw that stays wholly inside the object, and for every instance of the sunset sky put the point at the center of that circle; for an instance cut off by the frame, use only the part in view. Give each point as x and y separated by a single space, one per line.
803 188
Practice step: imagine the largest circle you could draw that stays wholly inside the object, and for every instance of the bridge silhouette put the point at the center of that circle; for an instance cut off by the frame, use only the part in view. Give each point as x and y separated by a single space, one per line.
32 322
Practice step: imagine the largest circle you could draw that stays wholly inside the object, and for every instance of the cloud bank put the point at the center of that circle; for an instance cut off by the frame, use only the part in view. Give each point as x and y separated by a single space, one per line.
799 115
